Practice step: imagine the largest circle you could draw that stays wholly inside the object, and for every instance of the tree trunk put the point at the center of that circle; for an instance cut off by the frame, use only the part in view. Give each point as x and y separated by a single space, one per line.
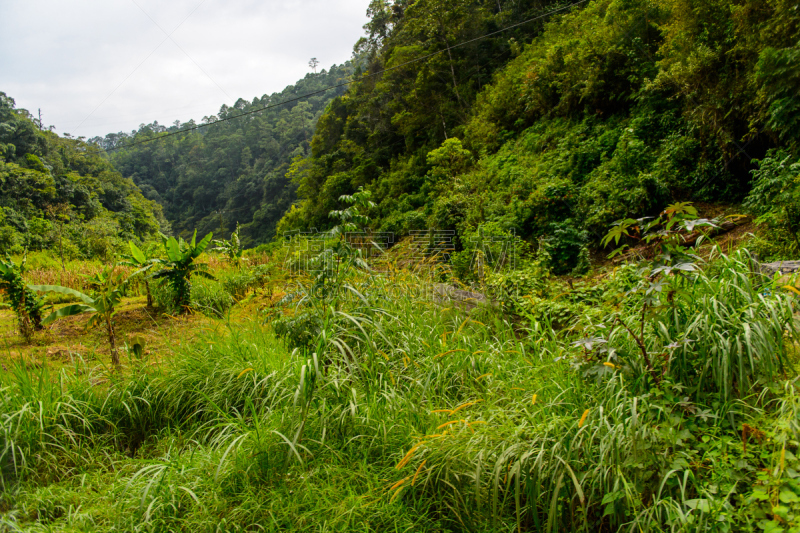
443 34
61 246
453 73
113 342
149 295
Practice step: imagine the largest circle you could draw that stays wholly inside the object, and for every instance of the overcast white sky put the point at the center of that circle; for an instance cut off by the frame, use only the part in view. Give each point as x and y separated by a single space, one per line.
102 66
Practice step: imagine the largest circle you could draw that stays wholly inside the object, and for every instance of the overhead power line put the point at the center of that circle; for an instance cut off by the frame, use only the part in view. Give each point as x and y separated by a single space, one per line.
345 83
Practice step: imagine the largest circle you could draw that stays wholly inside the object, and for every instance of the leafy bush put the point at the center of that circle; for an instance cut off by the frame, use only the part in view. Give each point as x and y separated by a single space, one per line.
515 288
488 248
775 199
299 330
164 298
554 314
10 240
211 298
237 283
566 244
22 300
718 332
207 297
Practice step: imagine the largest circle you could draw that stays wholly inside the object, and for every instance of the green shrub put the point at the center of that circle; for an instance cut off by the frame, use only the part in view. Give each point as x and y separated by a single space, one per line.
775 199
27 306
237 283
207 297
488 249
164 298
10 240
566 241
211 298
299 330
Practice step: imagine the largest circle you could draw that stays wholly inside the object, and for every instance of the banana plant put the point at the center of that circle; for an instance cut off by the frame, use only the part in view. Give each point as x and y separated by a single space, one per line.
179 266
102 304
23 302
140 260
232 249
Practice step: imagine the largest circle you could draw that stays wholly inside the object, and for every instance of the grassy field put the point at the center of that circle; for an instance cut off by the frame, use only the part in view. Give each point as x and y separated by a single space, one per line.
369 404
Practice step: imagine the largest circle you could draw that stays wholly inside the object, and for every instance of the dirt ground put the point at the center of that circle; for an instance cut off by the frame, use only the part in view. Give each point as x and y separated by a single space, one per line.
67 342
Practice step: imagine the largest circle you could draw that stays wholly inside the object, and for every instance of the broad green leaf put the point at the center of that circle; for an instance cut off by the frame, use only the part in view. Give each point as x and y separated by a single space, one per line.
204 274
611 497
771 526
701 504
137 254
63 290
162 274
201 246
781 511
94 321
70 310
142 270
172 249
787 496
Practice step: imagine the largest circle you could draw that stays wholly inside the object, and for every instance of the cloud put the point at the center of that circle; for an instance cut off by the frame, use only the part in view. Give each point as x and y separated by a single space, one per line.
95 66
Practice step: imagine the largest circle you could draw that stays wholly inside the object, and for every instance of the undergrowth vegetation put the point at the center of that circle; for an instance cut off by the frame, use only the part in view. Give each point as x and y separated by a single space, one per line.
663 398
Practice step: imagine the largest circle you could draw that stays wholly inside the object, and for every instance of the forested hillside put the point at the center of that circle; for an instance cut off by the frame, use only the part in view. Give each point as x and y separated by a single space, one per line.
560 126
234 170
60 193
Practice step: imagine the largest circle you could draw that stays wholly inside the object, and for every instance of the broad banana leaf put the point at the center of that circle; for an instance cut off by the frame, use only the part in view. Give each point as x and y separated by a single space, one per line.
173 250
94 321
137 253
204 274
163 273
202 245
142 270
63 290
70 310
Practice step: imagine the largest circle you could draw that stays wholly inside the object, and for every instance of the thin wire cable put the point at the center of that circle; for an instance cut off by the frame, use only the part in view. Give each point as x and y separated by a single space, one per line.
137 67
169 36
343 84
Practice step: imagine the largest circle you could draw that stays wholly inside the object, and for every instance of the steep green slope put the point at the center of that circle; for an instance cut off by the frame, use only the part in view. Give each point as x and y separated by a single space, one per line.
60 193
616 108
234 170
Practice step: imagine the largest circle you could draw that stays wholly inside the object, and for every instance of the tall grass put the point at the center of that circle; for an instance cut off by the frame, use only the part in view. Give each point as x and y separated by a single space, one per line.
399 414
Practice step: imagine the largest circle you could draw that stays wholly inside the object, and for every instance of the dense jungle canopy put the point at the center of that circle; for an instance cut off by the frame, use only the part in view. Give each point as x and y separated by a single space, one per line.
61 193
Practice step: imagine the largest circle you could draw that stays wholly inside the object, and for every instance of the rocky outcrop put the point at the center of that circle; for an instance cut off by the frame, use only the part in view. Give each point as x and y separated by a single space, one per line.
467 299
784 267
